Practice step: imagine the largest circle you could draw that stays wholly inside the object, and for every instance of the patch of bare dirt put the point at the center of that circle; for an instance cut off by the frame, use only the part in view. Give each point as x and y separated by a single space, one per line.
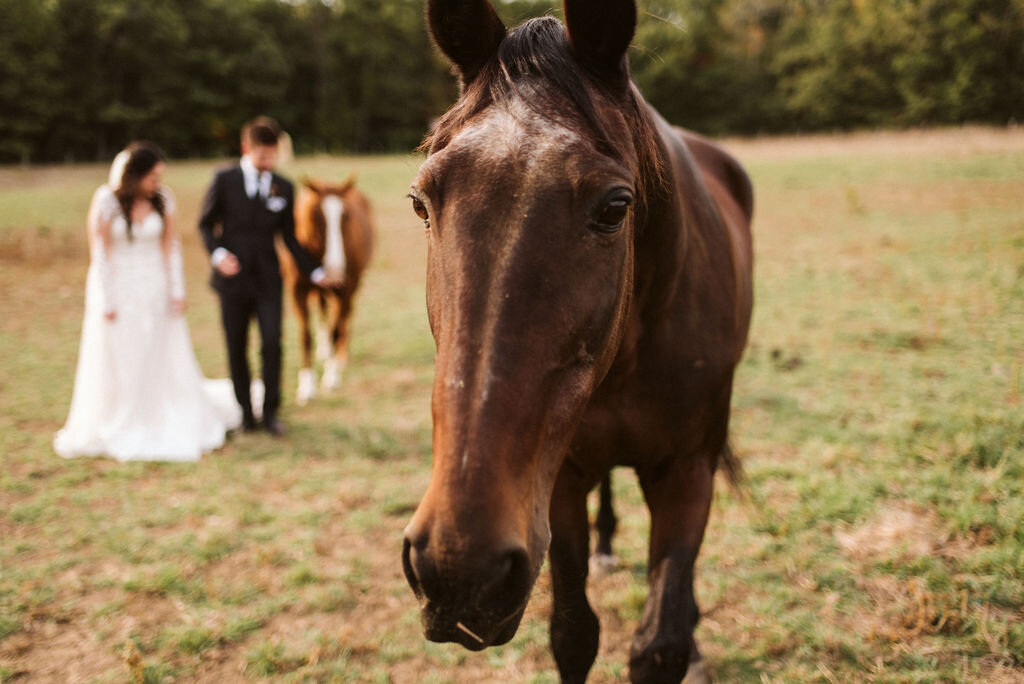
899 530
49 651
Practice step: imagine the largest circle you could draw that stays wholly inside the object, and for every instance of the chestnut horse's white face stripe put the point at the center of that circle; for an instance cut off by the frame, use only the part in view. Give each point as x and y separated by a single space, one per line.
334 255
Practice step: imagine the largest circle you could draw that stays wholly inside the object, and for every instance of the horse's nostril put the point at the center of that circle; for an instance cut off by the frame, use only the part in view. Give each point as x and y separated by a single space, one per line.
510 574
409 568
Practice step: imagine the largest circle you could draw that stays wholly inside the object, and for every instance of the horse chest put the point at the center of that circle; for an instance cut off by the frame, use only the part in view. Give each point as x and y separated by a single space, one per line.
650 408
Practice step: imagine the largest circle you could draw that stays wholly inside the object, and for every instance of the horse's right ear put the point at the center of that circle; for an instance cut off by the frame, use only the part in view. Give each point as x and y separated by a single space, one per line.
348 182
312 185
600 32
468 32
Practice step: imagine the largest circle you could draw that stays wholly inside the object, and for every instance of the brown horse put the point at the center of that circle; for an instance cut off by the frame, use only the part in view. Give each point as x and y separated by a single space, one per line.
589 291
332 221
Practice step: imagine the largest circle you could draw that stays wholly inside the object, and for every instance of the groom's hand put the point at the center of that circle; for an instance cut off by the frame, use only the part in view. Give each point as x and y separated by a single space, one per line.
331 283
228 264
321 279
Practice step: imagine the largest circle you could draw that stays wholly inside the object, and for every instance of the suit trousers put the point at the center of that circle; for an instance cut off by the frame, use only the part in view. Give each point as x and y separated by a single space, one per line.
237 310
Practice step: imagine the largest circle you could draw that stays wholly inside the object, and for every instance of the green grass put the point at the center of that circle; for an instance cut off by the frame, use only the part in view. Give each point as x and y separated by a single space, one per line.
879 535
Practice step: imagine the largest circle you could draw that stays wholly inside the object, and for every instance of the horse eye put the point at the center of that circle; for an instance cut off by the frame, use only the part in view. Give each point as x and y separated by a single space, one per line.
610 215
420 209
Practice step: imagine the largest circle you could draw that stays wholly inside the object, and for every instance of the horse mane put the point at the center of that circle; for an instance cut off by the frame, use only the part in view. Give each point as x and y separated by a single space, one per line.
535 64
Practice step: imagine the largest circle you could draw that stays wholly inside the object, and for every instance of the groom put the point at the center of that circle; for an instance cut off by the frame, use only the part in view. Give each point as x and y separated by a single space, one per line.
245 207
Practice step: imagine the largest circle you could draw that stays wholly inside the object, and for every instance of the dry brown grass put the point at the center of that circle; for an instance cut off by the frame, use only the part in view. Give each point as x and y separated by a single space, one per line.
883 288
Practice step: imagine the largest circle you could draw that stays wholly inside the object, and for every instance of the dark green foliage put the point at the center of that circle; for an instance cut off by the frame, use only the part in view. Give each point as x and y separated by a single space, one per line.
733 66
27 77
80 78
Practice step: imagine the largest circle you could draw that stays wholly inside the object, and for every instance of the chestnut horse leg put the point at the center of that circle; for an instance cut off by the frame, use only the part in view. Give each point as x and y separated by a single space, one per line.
574 626
679 499
339 339
323 342
307 378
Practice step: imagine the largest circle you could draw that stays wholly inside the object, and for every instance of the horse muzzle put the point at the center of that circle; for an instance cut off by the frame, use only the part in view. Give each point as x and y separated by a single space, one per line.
476 600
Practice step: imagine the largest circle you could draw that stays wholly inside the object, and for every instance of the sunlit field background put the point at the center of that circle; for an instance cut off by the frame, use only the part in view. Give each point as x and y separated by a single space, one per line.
878 537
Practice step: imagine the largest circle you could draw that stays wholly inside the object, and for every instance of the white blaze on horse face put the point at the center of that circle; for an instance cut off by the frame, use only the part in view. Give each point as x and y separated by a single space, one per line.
334 256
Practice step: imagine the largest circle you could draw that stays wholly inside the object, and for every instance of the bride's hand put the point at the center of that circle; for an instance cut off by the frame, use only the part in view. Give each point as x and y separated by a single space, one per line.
111 316
178 306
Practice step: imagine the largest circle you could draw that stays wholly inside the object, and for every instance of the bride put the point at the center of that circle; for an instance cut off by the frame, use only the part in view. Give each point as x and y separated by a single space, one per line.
139 393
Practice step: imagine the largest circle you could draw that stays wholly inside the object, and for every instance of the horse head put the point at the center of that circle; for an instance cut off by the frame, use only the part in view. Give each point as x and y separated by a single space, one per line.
319 212
534 187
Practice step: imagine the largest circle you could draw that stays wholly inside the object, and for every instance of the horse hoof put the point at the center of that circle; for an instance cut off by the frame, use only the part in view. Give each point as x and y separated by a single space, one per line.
257 391
331 379
666 661
697 673
602 564
307 386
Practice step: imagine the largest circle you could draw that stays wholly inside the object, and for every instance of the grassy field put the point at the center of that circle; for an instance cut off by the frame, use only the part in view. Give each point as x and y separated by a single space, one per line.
879 536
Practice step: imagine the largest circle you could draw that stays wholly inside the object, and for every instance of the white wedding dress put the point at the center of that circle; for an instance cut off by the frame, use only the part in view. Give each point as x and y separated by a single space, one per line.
139 392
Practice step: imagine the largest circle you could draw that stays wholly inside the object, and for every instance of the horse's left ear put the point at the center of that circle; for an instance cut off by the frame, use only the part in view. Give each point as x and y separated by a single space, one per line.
349 182
600 32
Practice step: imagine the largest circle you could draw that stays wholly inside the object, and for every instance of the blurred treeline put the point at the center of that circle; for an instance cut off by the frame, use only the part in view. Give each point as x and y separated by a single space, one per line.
79 78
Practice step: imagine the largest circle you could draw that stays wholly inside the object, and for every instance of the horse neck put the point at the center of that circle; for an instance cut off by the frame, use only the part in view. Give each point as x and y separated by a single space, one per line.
661 237
672 245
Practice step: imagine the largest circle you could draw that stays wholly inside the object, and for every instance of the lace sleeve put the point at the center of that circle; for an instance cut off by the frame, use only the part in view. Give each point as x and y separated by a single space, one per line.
175 265
175 270
101 262
105 204
101 212
170 205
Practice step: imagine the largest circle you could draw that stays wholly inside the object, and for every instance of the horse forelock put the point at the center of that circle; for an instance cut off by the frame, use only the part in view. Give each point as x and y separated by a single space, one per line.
535 67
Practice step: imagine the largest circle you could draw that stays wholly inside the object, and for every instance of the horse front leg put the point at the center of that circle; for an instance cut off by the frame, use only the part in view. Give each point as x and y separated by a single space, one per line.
323 336
336 363
574 626
663 648
307 377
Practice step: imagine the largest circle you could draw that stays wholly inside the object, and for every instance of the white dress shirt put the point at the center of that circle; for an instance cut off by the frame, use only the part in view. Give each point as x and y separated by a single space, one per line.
256 181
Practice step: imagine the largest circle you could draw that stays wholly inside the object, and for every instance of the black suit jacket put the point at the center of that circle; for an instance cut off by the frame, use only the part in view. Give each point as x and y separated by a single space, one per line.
246 228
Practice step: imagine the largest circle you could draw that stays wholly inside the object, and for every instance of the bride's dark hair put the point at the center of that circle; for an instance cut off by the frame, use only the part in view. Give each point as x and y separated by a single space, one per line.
143 156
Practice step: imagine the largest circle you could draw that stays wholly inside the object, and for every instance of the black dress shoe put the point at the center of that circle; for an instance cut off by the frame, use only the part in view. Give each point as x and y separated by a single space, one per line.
274 426
249 424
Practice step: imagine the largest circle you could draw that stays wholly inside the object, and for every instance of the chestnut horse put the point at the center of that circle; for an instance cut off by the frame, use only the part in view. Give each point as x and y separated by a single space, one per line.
332 221
589 292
